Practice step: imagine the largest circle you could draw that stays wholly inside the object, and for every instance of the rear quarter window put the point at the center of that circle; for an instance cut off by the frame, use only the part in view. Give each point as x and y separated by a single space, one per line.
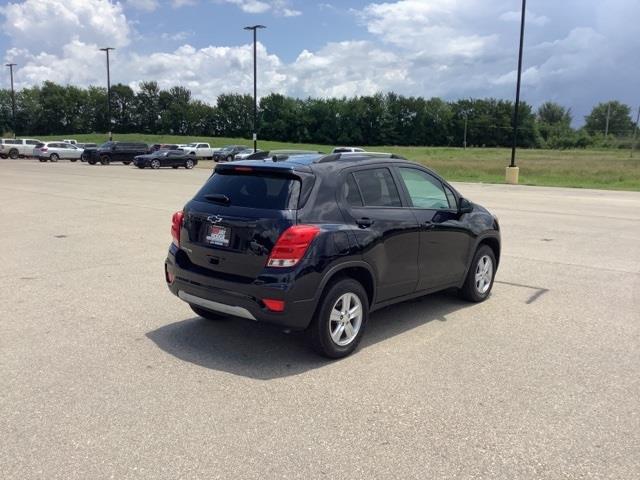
271 192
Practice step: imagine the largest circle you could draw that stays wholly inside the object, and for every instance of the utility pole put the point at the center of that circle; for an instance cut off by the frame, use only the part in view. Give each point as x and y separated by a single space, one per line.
635 134
606 126
464 141
512 170
106 50
255 86
13 100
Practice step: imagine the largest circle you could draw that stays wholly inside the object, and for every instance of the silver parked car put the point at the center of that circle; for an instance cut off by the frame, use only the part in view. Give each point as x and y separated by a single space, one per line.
54 151
242 155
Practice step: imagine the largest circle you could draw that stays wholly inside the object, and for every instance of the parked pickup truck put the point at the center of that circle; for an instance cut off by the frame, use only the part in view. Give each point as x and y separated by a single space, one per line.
200 150
17 147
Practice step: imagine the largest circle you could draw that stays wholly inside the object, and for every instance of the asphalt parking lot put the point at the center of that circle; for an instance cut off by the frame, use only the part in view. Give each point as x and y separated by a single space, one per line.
105 374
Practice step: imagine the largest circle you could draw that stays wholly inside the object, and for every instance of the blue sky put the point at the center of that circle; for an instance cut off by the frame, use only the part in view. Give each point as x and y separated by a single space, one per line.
577 53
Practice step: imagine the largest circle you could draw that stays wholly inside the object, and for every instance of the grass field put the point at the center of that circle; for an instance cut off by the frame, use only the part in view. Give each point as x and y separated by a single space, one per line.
603 169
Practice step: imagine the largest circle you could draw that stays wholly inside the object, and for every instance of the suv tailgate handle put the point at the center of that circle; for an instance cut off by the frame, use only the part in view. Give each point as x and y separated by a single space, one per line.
364 222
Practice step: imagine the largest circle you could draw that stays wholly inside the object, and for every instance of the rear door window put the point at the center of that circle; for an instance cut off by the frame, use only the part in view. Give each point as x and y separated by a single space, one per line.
351 192
262 191
377 188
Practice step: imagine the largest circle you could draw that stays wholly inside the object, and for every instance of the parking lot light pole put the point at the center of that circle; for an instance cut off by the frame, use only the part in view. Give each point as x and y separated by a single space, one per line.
512 170
255 86
635 134
107 49
13 100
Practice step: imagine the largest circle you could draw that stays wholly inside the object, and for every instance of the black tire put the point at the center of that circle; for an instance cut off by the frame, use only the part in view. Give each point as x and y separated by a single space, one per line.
229 158
91 162
42 159
206 314
73 159
13 153
319 331
155 164
188 164
54 157
175 167
140 167
105 160
127 163
476 291
83 157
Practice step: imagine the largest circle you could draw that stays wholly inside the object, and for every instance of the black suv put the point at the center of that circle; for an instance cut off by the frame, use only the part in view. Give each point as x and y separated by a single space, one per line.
317 242
226 154
109 152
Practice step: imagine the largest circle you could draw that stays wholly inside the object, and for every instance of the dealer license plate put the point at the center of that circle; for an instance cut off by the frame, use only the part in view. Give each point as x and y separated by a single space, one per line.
218 235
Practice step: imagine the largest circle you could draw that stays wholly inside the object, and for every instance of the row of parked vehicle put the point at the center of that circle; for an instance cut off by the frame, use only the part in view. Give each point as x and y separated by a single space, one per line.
141 154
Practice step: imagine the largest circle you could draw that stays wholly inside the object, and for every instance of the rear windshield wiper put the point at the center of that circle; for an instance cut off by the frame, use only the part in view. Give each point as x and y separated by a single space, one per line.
218 198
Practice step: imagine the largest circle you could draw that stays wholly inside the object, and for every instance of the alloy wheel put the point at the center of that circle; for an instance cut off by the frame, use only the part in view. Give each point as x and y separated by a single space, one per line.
484 274
345 319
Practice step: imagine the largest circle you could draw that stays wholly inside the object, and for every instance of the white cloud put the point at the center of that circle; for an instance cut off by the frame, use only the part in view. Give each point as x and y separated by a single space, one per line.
209 71
50 25
279 7
177 36
250 6
347 69
288 12
182 3
433 26
530 18
144 5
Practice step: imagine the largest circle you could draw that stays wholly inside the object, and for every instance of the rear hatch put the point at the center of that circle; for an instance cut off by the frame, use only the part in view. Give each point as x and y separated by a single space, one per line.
39 149
234 221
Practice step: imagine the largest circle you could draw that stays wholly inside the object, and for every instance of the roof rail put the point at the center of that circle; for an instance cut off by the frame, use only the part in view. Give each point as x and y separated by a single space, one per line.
357 155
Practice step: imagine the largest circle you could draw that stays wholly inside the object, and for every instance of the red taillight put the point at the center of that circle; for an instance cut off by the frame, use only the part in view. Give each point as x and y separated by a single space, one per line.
243 169
292 245
176 226
44 149
274 305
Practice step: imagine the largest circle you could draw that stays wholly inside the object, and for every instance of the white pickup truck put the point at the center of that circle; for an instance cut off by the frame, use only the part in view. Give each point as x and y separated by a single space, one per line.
17 147
199 149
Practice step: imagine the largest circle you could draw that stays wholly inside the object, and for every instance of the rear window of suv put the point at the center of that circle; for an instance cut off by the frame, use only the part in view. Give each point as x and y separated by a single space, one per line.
271 192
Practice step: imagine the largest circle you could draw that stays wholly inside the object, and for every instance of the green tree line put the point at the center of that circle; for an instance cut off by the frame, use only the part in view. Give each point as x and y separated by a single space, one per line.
380 119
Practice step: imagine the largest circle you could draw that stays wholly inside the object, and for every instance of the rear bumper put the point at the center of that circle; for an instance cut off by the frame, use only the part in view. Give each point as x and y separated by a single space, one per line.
237 299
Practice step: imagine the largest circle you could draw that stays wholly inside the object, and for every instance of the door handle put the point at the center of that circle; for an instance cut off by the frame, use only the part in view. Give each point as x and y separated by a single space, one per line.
428 224
364 222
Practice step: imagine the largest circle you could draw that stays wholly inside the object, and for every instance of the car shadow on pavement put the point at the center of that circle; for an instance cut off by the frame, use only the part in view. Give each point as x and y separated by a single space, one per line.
260 351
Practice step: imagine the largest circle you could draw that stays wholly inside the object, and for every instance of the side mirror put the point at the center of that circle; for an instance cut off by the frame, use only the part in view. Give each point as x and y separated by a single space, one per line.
465 206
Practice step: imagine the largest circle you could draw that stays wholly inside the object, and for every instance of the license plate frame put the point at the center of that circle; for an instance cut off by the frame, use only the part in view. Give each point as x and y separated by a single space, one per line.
218 235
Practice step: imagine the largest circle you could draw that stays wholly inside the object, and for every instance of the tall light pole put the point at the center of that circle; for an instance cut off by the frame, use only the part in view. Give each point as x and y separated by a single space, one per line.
13 100
512 170
106 50
255 86
466 120
635 134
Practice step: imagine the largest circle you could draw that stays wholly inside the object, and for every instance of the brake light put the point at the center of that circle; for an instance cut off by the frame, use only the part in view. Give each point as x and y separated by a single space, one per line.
243 169
44 149
273 305
292 245
176 226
